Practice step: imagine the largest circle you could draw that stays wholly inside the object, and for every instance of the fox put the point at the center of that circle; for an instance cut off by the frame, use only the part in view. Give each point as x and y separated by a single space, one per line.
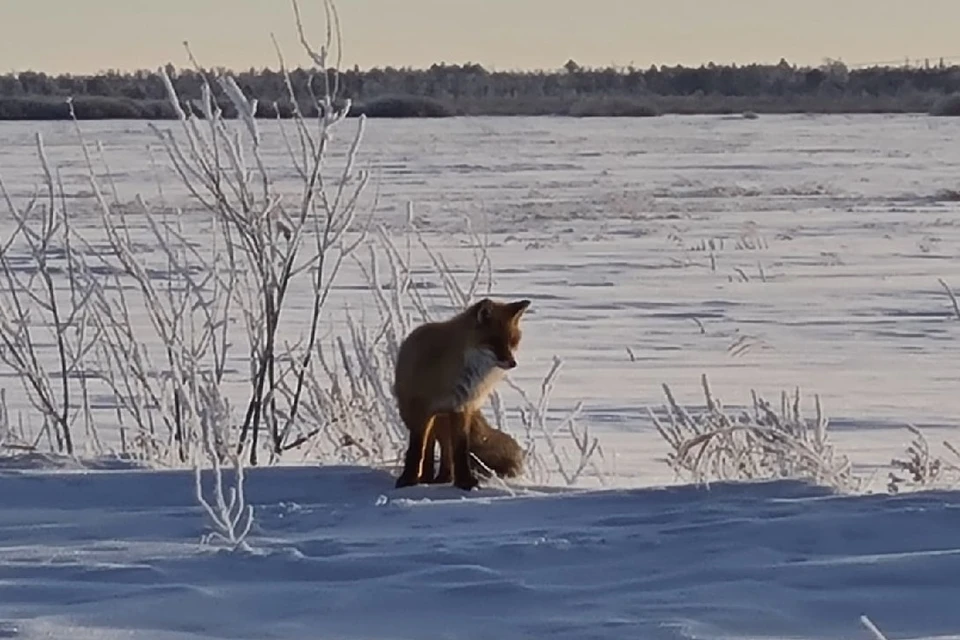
444 373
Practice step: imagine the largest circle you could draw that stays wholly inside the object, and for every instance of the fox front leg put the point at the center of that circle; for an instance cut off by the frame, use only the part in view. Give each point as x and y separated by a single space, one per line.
421 427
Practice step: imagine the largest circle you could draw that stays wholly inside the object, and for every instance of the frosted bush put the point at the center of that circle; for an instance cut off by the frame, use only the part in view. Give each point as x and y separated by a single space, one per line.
717 445
922 468
229 514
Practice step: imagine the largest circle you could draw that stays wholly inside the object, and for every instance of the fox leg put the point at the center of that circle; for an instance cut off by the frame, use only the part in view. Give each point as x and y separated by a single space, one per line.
444 437
420 425
463 477
429 444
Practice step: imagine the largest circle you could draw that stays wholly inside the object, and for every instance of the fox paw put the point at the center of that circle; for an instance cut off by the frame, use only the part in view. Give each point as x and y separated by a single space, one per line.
468 483
404 481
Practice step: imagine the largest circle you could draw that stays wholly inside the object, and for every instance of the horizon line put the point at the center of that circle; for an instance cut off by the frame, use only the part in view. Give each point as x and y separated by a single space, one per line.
902 63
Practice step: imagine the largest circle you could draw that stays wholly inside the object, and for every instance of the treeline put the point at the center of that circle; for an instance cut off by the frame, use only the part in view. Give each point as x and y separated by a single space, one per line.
469 89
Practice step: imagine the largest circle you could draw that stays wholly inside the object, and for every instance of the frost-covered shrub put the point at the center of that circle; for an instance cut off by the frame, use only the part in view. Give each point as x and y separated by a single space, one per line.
922 468
714 444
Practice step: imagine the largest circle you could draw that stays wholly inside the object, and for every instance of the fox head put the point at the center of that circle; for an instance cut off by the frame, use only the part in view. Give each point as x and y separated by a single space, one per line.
497 327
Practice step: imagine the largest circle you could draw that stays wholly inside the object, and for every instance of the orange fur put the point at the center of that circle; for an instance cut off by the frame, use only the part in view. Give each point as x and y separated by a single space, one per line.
444 373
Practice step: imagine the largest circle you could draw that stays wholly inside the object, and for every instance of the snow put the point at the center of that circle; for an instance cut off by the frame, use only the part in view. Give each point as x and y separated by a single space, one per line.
840 227
339 553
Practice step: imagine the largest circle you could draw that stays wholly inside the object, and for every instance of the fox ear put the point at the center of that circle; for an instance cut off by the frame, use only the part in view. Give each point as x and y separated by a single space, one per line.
484 310
517 308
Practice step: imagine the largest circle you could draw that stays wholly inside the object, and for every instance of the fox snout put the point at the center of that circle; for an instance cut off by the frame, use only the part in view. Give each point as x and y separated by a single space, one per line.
508 363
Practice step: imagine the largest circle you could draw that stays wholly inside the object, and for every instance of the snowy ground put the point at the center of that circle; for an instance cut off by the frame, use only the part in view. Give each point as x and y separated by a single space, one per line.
834 231
341 554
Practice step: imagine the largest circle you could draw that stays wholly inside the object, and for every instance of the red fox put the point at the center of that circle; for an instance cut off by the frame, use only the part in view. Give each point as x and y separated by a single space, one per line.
444 373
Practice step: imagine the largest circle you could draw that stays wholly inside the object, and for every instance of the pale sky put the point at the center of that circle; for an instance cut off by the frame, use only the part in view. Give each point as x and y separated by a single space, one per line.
85 36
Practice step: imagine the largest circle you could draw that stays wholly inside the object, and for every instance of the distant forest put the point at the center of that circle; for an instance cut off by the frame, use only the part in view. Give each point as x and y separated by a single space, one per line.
469 89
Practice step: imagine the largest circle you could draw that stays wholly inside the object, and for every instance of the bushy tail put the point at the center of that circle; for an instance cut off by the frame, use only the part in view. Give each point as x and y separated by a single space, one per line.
496 449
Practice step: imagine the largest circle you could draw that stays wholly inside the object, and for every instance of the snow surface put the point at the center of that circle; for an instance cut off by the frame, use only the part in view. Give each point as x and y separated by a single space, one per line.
606 225
339 553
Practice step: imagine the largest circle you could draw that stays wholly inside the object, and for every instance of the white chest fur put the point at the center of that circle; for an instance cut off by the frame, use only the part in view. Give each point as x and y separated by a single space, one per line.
479 374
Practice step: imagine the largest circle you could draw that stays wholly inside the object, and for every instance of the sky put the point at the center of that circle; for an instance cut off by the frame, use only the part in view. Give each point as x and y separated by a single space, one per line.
86 36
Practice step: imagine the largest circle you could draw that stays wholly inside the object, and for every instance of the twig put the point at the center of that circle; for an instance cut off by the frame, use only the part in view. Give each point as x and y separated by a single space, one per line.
872 628
953 298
